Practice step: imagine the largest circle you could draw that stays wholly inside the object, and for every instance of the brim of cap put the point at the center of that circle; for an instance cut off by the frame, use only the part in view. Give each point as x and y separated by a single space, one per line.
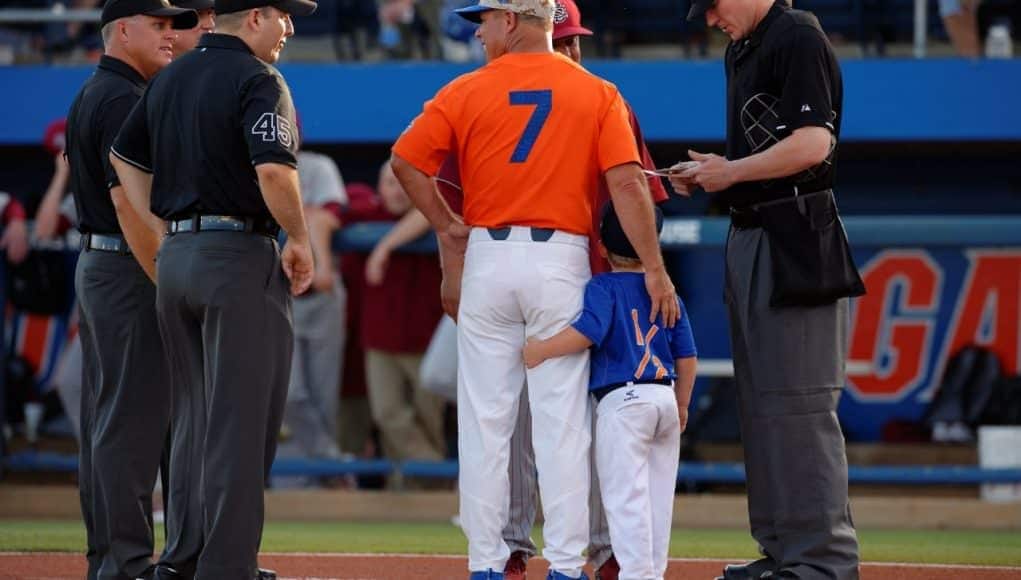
698 9
183 18
566 31
297 7
472 13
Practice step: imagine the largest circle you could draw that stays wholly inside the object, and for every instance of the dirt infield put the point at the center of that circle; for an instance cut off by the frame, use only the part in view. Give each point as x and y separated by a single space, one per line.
49 566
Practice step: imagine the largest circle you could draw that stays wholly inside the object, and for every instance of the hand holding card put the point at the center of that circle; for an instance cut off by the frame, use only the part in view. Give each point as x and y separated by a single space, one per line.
672 170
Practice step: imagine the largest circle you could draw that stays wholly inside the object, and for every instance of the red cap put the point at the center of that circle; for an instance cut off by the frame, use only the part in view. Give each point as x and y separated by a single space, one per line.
54 137
567 20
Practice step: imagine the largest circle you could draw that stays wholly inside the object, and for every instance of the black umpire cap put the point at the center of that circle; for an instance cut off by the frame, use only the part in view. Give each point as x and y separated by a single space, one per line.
612 233
698 8
184 18
194 4
293 7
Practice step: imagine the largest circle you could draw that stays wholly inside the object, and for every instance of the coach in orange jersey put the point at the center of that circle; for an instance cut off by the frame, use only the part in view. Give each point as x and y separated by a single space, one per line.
534 132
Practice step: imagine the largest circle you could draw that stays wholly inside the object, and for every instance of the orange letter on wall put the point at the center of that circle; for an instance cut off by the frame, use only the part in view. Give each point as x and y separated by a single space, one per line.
988 310
897 331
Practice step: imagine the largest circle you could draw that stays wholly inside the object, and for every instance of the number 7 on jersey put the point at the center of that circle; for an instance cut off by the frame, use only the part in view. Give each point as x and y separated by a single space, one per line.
543 101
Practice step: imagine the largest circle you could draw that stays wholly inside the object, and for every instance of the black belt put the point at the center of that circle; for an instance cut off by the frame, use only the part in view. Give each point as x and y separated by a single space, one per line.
603 391
224 223
538 234
105 243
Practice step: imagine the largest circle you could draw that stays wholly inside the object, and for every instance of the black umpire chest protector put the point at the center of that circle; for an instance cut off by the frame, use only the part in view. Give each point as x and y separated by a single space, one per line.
781 77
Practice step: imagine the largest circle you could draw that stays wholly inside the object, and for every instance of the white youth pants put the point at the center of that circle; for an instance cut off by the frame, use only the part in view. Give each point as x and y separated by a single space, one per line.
638 443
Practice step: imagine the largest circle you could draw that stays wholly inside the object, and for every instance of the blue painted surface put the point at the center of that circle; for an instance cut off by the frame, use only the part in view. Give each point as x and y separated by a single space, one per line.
886 100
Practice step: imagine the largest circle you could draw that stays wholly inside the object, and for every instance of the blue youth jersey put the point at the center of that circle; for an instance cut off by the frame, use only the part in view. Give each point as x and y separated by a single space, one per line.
625 347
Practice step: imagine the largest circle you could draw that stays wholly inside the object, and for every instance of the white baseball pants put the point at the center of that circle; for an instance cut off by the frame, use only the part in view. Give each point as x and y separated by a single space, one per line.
514 288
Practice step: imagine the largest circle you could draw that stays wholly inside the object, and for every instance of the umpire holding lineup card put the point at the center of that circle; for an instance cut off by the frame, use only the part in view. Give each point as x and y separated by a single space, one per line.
211 149
788 276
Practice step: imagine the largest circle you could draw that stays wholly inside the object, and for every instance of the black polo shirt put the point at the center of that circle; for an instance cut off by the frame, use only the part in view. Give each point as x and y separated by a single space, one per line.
96 116
203 125
781 77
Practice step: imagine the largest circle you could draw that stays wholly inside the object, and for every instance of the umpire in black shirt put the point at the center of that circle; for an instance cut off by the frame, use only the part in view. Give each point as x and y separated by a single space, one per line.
788 276
210 150
125 384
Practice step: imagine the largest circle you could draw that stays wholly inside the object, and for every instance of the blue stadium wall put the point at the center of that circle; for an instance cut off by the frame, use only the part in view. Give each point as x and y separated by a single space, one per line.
886 100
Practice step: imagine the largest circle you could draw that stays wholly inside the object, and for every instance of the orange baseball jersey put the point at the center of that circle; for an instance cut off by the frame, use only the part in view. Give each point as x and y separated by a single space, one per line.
534 132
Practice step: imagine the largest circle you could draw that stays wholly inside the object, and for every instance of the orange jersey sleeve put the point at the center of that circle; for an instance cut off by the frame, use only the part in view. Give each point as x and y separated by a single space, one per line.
616 139
430 136
533 133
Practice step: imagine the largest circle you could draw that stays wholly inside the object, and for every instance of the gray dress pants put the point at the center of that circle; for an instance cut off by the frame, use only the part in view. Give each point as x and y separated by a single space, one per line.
789 370
125 412
225 314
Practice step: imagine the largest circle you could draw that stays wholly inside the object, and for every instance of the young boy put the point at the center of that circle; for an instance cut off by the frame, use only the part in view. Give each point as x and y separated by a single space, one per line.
639 419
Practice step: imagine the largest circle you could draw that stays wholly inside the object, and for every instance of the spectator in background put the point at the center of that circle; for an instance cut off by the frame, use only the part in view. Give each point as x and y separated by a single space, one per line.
457 35
355 415
14 239
49 218
961 23
401 308
313 396
55 216
408 28
189 39
80 40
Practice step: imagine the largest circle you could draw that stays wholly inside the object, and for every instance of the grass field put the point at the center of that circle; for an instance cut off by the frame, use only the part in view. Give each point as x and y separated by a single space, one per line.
931 547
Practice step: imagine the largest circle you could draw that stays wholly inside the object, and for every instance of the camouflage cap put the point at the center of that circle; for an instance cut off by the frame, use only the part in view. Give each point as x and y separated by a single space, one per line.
540 8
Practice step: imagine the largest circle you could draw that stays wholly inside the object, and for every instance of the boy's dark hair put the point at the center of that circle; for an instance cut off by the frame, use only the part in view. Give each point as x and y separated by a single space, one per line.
613 236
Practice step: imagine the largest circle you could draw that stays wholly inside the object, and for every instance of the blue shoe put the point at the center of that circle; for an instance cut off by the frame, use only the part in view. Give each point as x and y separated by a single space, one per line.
487 575
561 576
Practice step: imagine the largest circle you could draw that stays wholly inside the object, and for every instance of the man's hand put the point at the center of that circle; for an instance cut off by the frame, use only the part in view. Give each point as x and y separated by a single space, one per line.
376 265
664 296
682 414
450 295
713 173
682 185
533 352
15 241
296 259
